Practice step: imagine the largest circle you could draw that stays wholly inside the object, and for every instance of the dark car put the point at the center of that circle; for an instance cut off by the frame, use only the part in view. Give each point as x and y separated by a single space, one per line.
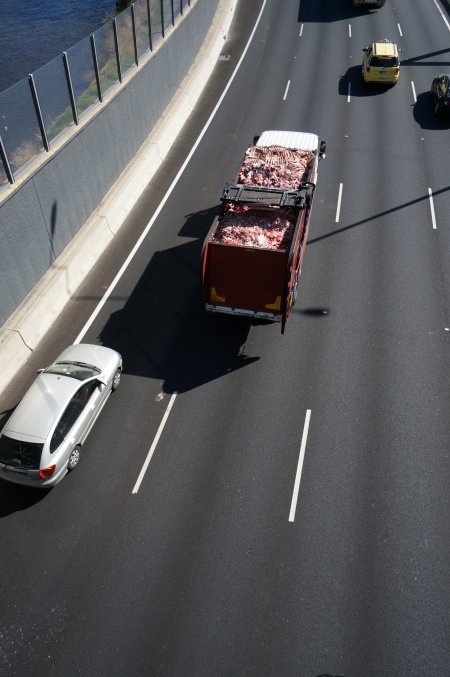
440 91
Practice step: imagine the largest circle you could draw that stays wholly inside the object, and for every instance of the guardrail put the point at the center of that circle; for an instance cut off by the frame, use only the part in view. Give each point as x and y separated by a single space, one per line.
35 111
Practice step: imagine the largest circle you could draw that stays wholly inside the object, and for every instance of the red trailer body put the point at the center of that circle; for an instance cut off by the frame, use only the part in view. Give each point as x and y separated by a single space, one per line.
253 253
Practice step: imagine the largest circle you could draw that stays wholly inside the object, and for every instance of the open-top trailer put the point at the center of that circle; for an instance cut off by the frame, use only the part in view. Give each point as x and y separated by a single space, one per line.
252 256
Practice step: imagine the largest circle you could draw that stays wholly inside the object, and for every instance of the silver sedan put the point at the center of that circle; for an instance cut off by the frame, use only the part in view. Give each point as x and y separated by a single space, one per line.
42 440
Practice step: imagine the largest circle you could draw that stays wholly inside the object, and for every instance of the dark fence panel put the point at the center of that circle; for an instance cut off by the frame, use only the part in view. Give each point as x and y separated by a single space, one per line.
19 126
54 99
82 72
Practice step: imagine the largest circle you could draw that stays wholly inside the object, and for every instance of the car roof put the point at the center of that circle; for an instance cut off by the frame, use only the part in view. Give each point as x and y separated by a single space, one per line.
44 401
385 48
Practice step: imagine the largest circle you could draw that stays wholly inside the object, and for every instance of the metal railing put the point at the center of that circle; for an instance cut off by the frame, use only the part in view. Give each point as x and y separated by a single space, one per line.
35 111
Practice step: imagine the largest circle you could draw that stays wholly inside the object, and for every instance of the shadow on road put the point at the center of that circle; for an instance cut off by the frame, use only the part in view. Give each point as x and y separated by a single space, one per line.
376 216
359 87
15 498
162 332
323 11
423 112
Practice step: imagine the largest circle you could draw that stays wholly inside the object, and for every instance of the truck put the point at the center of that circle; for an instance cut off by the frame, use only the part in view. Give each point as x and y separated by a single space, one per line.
253 253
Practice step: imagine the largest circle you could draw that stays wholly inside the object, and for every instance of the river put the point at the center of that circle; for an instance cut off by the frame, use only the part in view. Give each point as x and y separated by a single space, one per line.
33 32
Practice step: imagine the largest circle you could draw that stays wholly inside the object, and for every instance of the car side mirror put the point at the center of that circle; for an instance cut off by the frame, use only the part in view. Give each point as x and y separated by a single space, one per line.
323 148
365 49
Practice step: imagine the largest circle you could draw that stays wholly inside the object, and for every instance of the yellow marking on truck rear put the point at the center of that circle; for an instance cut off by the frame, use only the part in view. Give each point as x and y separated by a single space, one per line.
215 296
276 305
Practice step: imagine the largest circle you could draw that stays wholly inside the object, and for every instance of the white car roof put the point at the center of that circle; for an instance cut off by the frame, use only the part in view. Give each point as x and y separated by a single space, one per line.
303 140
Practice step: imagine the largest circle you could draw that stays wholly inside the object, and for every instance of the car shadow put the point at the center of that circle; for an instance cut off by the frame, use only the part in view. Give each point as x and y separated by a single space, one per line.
15 497
358 86
162 331
424 115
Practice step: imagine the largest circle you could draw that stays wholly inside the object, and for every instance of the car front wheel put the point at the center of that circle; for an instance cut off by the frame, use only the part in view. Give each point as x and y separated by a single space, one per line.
74 458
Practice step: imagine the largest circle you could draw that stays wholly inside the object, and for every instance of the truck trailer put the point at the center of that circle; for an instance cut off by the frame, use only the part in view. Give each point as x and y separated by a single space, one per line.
252 255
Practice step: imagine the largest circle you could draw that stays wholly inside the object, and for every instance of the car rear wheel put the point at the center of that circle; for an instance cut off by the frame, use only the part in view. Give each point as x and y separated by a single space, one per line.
74 458
116 380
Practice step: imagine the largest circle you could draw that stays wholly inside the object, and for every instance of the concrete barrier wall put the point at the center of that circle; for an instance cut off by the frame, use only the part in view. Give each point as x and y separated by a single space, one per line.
42 216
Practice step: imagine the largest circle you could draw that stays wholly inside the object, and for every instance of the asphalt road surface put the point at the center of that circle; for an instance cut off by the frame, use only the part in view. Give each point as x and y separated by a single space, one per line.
211 563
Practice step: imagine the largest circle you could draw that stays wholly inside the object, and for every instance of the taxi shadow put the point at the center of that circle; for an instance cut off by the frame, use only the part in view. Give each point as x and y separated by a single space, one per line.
358 86
423 112
162 331
323 11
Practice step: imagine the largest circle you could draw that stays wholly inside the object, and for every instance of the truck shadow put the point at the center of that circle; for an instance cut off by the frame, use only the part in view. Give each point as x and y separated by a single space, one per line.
162 332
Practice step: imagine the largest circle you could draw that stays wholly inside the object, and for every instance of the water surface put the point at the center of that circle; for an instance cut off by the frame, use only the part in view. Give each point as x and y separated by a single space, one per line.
33 32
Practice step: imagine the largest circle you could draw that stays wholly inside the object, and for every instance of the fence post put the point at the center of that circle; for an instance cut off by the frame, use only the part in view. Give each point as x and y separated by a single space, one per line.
6 164
162 17
133 23
149 26
173 12
181 7
116 44
70 87
38 112
97 73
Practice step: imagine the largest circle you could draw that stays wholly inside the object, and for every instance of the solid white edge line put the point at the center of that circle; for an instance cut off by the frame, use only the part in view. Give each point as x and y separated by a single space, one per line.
338 210
414 91
433 216
154 444
400 30
298 474
158 210
286 90
442 14
349 92
301 31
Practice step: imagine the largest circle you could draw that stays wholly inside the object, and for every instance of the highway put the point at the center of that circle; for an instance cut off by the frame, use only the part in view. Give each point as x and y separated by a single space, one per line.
180 547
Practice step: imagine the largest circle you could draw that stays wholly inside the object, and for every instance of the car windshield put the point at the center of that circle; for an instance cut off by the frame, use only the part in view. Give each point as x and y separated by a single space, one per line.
20 454
384 61
77 370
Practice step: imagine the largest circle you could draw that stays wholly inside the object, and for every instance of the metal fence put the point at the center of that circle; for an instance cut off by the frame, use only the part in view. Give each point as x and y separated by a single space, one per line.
38 109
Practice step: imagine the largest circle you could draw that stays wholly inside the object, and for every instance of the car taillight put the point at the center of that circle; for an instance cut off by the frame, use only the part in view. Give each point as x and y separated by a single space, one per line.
368 69
47 472
397 68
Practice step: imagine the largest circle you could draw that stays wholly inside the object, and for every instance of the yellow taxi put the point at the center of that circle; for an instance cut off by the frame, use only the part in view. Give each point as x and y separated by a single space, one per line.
381 62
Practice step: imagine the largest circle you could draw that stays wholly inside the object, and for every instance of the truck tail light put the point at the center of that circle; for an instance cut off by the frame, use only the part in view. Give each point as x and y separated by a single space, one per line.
44 473
274 305
217 295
